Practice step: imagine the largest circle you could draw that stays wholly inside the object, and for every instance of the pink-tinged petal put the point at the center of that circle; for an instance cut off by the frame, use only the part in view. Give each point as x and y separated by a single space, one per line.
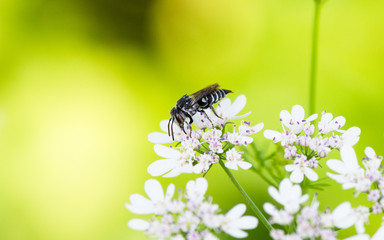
241 116
237 106
272 135
236 212
275 194
311 174
312 117
170 191
290 167
154 190
157 137
244 165
285 117
235 232
337 166
161 166
348 156
173 173
246 222
361 237
369 152
138 224
231 165
297 113
379 235
326 118
166 152
296 176
269 208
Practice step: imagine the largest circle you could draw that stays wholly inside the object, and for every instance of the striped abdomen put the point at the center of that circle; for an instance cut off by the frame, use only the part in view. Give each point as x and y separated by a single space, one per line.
212 98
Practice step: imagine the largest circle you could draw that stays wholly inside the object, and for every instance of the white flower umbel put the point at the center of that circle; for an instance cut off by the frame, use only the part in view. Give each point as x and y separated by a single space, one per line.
191 214
234 160
305 145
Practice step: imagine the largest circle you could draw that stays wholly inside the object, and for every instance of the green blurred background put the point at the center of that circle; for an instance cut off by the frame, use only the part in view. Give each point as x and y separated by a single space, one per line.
83 82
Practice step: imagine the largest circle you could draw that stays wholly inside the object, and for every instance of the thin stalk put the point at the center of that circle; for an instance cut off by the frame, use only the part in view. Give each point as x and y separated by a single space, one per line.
249 201
315 38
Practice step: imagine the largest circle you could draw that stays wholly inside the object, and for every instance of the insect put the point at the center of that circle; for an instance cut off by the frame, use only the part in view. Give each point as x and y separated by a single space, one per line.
188 105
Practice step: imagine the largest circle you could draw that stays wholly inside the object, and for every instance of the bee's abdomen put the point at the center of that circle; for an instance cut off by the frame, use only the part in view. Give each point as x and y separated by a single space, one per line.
213 98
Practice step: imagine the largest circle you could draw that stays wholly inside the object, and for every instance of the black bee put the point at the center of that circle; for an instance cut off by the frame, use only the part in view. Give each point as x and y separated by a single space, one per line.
189 105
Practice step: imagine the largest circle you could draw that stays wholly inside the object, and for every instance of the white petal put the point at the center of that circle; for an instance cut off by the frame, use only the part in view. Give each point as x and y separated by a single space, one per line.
337 178
231 165
297 113
369 152
311 174
285 117
275 194
139 204
154 190
173 173
337 166
348 156
240 116
351 136
290 167
246 222
339 121
361 237
164 125
166 152
236 211
138 224
285 188
269 208
237 106
360 227
198 168
201 185
296 176
237 233
312 117
244 165
157 137
257 128
223 105
304 198
379 235
170 191
326 118
272 135
161 166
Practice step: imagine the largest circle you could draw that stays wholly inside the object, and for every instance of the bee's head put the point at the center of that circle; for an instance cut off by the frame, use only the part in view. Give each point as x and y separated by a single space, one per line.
178 115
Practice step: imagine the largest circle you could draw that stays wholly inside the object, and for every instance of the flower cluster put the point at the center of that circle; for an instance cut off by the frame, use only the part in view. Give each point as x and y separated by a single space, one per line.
304 145
196 151
309 221
191 216
368 180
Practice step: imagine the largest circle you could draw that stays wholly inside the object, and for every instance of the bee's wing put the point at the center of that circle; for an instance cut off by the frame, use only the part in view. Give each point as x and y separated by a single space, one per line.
203 92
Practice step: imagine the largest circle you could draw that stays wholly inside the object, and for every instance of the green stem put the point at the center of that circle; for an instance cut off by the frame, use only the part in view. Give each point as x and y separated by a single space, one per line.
315 37
249 201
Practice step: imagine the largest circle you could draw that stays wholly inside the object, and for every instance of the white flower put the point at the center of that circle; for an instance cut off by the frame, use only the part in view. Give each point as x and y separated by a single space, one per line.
295 121
234 160
237 139
300 168
157 202
225 110
196 190
319 145
343 216
288 195
245 129
348 169
281 217
175 162
327 125
361 215
234 223
372 161
205 161
351 136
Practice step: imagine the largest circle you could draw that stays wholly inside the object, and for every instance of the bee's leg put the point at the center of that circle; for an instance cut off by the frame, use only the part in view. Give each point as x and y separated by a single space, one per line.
214 112
205 114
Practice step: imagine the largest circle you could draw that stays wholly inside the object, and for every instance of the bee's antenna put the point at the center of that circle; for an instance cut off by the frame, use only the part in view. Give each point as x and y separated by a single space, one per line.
169 132
173 120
